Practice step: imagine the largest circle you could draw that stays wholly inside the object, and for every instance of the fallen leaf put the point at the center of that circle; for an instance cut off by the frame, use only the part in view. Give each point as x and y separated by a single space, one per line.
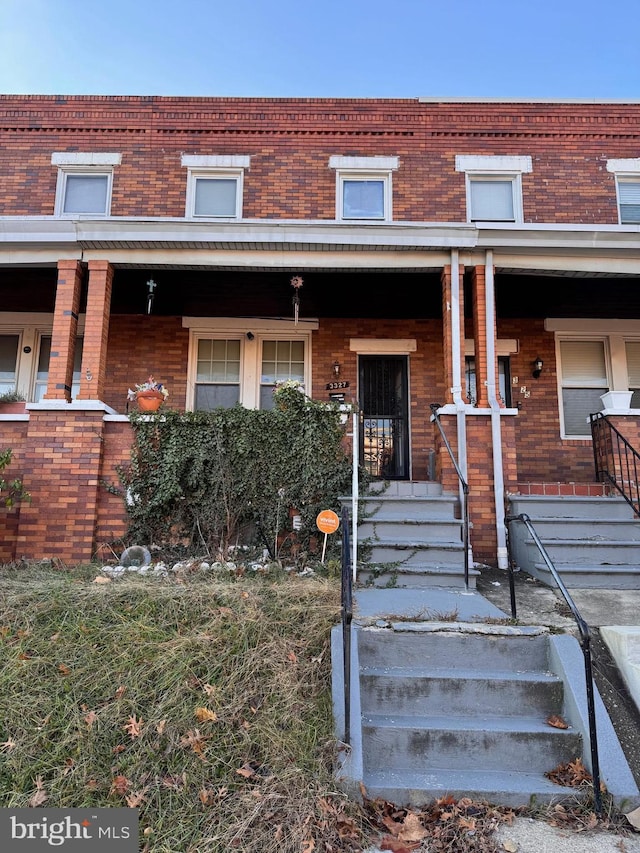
557 722
102 579
204 715
412 829
308 845
90 718
510 846
40 795
194 740
120 785
136 799
54 637
134 726
120 692
210 689
161 727
246 770
118 749
63 669
69 764
292 657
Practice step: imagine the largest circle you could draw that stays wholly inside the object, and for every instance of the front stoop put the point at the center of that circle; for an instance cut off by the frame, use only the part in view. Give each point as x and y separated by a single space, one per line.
410 537
594 542
461 708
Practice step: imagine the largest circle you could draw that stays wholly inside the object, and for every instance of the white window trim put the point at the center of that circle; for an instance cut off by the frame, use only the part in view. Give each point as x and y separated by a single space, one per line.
214 166
61 188
30 328
625 168
383 346
250 351
493 168
79 158
364 169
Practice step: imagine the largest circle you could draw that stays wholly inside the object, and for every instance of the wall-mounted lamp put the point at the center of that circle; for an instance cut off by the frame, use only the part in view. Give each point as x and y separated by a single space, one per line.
250 336
336 368
538 364
151 286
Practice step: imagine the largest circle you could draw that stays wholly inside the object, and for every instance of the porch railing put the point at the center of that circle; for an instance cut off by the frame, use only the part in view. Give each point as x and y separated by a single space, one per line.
464 486
585 645
616 461
346 598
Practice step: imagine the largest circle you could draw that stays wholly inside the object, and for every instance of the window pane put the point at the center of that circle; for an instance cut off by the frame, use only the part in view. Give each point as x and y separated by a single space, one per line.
281 360
218 361
86 194
209 397
42 374
8 362
583 363
363 199
492 200
629 195
633 363
215 197
578 404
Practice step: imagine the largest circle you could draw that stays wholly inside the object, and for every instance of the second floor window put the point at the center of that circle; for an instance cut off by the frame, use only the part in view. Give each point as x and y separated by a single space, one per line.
84 182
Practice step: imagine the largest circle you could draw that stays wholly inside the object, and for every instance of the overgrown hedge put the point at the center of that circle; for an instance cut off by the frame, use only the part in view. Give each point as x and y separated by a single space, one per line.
211 480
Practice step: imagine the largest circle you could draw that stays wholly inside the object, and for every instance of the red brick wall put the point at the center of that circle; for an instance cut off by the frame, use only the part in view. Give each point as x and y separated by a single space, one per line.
290 142
12 436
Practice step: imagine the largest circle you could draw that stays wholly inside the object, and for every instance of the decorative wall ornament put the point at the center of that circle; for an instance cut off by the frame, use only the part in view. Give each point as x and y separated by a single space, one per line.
296 284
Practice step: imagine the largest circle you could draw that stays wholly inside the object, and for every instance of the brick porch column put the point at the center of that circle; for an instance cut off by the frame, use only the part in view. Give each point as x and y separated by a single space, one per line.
65 329
96 331
480 333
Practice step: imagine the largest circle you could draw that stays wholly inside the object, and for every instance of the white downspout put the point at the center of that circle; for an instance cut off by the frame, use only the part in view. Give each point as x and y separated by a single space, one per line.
456 390
496 428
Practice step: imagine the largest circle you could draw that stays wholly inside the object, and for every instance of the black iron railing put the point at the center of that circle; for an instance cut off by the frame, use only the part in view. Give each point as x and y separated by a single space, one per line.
465 492
617 463
346 597
585 645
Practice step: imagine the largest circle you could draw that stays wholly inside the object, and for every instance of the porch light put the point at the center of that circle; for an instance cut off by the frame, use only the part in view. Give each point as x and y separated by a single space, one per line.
336 368
537 367
151 286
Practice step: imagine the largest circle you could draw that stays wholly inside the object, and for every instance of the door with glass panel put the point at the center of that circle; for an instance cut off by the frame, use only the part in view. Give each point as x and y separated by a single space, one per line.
383 399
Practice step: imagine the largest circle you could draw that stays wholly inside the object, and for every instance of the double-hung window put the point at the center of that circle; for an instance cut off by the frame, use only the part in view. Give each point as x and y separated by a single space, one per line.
583 379
627 174
85 182
214 185
363 187
493 186
235 361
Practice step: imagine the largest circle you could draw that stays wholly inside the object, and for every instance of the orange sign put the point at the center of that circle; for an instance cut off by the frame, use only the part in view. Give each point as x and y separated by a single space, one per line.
327 521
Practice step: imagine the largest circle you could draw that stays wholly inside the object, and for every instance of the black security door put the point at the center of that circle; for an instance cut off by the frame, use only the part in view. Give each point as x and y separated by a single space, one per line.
384 432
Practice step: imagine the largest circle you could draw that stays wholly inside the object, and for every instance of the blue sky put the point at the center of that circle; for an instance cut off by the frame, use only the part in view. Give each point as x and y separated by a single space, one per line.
340 48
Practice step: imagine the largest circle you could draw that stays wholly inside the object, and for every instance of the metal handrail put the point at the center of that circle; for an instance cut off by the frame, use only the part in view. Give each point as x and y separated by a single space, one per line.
585 645
616 461
346 600
465 492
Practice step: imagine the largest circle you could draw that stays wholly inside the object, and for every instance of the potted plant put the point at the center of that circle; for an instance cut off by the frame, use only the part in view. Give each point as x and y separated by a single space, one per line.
12 402
149 395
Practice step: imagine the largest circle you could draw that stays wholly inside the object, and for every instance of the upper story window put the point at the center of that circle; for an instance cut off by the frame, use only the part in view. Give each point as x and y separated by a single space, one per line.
494 186
363 187
214 185
84 183
627 173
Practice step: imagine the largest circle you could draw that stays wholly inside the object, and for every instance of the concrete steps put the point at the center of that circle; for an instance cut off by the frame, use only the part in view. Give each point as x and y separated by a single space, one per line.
461 713
594 542
410 537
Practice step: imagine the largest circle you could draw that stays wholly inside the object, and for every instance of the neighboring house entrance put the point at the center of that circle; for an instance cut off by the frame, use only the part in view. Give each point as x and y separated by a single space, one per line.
384 431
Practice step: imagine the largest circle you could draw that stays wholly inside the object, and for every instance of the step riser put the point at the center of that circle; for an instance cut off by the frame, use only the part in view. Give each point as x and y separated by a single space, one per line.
445 696
403 488
417 555
605 578
426 750
410 530
401 508
503 794
580 529
586 552
450 651
598 509
422 578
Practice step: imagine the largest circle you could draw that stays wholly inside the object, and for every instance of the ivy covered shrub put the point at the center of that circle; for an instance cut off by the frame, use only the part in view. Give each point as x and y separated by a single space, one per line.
211 480
10 490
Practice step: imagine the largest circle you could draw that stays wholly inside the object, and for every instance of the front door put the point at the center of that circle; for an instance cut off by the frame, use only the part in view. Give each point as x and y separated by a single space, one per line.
384 427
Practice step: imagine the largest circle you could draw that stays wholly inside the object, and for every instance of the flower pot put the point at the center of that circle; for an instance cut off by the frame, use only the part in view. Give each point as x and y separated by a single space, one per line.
149 401
14 408
617 400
